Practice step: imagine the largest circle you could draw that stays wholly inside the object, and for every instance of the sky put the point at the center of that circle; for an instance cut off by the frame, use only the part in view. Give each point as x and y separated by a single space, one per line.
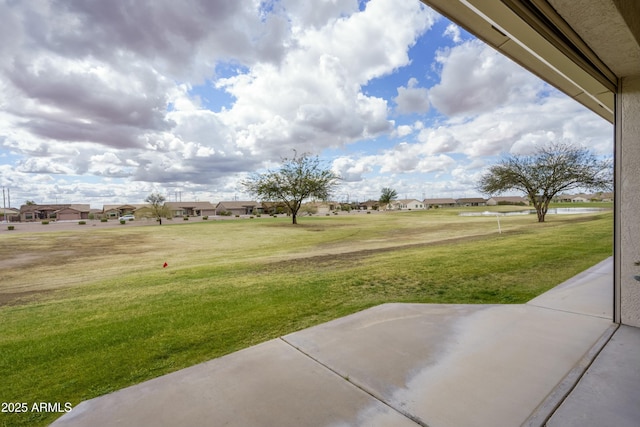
106 102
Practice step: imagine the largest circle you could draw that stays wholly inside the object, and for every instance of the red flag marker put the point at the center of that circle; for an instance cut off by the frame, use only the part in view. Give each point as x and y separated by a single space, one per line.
165 265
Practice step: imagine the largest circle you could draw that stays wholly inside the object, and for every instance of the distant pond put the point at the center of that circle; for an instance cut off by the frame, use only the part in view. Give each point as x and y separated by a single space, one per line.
552 211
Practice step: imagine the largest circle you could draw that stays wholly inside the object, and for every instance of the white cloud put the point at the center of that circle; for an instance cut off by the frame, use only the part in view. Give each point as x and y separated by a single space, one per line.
412 99
404 130
516 128
453 31
351 170
476 78
318 13
319 102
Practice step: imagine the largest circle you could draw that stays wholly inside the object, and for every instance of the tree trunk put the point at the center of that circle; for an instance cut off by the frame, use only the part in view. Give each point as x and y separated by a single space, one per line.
542 208
540 211
294 218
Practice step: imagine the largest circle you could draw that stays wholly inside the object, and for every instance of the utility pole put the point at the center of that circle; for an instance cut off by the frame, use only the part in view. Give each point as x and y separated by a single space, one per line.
4 212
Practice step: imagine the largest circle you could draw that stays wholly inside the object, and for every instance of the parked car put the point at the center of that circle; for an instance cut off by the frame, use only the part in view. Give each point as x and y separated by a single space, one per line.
126 218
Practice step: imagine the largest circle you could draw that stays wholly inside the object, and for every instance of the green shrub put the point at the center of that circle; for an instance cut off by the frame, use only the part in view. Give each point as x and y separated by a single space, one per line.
237 216
11 227
123 222
45 222
205 218
82 222
103 220
185 218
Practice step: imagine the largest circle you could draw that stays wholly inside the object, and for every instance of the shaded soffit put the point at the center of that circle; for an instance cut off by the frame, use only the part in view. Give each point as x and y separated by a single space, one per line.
534 35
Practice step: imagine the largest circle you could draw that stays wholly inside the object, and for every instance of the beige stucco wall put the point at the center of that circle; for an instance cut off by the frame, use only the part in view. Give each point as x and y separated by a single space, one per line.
628 194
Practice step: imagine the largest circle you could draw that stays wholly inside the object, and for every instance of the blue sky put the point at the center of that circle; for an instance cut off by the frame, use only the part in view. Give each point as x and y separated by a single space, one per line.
105 102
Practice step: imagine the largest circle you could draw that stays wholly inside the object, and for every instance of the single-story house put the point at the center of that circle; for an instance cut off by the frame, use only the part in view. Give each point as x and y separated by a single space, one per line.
95 213
321 208
406 204
580 198
471 201
369 205
507 200
34 212
11 214
190 208
602 197
238 208
73 213
116 211
563 198
439 203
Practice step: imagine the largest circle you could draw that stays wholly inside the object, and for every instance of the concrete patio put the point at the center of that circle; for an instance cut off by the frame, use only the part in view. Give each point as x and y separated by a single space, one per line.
557 360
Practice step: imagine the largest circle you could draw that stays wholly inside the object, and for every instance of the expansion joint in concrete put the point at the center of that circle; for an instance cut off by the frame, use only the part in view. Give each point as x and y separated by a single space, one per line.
359 387
568 311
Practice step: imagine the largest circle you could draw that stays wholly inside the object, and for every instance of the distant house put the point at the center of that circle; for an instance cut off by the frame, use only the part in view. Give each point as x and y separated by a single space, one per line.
471 201
602 197
583 198
321 208
562 198
9 214
406 204
439 203
238 208
190 208
507 200
116 211
73 213
580 198
56 211
369 205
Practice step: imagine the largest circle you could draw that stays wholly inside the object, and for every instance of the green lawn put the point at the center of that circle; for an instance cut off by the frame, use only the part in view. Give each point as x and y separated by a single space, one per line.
86 313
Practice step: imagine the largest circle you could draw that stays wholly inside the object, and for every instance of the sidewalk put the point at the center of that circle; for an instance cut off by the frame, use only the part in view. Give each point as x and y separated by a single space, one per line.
407 365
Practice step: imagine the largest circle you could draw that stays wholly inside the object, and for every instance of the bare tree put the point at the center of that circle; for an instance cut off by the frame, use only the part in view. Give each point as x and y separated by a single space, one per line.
158 208
298 179
551 169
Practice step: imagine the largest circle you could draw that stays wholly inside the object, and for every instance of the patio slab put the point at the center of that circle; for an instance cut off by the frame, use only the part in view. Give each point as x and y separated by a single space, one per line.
391 365
609 392
270 384
455 365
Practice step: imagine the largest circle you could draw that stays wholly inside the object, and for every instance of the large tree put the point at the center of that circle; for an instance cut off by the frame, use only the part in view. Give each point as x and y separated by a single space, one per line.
387 195
299 178
158 208
551 169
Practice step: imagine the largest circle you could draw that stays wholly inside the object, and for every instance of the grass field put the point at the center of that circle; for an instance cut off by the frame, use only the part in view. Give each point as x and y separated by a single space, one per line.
86 313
